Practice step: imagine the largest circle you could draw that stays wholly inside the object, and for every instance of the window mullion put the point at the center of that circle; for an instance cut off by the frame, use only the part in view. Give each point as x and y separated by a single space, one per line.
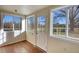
67 23
51 24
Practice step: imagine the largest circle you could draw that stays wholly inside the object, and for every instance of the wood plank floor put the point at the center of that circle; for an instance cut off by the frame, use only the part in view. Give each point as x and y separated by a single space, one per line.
20 47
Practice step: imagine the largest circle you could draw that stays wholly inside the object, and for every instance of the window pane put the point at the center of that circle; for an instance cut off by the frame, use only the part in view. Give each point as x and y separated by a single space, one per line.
74 22
17 23
59 22
8 23
30 22
41 22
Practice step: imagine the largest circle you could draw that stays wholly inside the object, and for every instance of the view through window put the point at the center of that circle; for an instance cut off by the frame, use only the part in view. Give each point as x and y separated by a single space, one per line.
11 23
31 23
41 23
59 22
8 23
65 22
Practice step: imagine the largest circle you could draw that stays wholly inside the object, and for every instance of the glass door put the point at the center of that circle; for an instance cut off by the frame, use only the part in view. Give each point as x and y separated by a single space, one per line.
41 32
31 29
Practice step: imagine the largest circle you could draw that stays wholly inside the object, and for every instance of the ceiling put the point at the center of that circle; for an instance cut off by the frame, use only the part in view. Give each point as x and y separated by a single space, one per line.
22 9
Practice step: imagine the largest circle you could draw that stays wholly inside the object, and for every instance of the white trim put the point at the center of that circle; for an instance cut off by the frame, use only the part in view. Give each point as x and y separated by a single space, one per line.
51 28
30 16
67 26
61 7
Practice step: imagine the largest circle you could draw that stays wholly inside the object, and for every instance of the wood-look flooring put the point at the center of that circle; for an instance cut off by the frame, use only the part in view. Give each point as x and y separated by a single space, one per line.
21 47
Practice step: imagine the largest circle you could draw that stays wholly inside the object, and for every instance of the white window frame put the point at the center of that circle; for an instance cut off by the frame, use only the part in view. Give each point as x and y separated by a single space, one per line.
66 37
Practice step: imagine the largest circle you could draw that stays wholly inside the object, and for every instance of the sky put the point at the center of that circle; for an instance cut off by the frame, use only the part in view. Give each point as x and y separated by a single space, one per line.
11 19
7 19
41 20
60 20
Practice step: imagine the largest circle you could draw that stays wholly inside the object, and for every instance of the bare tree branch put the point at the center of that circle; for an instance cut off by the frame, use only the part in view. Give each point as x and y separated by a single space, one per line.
76 12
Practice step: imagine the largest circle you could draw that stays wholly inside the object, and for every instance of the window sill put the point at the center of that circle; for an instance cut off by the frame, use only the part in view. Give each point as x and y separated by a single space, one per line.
75 40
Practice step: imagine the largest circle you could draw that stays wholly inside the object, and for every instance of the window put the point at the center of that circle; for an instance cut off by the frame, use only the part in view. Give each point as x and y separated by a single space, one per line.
59 19
19 26
11 23
65 22
17 23
41 20
59 22
8 23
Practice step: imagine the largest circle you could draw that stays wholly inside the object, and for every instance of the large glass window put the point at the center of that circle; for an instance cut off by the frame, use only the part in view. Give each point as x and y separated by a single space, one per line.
59 19
65 22
12 23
